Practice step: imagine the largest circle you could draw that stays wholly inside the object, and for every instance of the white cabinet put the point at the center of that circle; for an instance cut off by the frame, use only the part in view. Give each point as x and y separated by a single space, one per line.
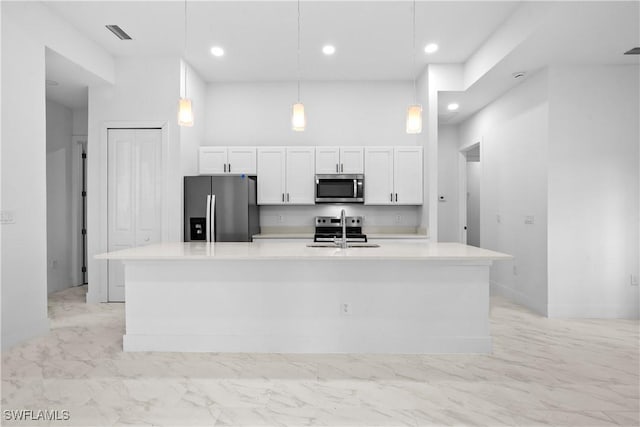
212 160
393 175
407 175
271 175
286 176
227 160
300 179
339 160
327 160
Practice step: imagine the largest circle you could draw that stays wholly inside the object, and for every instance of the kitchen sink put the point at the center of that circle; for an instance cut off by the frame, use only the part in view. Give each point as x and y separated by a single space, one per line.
350 245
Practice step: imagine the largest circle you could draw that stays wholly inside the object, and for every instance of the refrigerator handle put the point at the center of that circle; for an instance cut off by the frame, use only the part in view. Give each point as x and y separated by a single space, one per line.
207 230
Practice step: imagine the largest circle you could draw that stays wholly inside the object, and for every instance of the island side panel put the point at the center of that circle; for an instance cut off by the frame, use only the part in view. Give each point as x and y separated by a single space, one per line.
297 306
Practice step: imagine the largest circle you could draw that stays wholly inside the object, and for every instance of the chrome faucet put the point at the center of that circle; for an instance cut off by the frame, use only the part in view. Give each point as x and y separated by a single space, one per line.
343 223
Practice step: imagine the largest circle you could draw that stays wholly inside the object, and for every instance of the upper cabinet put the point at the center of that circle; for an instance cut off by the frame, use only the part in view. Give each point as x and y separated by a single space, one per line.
393 176
286 175
227 160
339 160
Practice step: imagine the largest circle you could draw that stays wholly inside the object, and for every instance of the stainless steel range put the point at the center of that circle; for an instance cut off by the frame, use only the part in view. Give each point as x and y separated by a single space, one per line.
329 228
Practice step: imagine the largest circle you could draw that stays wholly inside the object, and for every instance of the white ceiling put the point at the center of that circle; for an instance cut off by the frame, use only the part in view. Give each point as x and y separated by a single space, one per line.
373 38
72 81
576 33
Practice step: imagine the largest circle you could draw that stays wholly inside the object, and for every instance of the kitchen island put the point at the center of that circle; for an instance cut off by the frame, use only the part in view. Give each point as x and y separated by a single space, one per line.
285 297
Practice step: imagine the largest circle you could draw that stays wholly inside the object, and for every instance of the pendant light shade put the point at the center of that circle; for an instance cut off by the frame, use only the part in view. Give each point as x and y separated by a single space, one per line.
185 113
298 119
414 119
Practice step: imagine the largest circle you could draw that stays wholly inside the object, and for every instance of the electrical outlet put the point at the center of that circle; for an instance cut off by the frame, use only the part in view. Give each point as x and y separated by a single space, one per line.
529 219
498 219
634 280
398 219
280 218
345 309
515 270
7 217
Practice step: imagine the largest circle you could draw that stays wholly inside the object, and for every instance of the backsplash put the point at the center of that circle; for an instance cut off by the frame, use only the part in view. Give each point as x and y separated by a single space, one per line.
301 217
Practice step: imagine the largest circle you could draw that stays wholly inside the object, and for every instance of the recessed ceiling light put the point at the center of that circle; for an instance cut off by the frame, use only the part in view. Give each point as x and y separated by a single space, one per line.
328 49
217 51
453 106
431 48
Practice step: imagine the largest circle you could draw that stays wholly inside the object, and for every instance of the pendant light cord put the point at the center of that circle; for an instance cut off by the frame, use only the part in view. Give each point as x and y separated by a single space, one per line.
413 55
184 49
298 51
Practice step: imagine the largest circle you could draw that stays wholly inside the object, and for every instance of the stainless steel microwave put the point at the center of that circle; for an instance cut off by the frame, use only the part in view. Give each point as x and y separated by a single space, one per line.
340 188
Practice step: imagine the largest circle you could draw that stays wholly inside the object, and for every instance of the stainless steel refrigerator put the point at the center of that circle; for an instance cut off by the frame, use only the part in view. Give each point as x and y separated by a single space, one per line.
220 209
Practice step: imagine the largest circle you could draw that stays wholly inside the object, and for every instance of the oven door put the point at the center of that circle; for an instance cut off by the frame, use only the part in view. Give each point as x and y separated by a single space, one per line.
339 189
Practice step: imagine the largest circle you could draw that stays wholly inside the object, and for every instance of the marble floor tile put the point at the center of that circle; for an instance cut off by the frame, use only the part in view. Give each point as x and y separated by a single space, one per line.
557 372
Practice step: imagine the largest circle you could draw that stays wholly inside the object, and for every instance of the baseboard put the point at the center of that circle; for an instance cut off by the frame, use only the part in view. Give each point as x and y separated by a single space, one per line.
518 298
576 311
301 344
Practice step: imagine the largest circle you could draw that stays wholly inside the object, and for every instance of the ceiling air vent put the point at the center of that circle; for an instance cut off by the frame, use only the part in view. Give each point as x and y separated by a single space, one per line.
119 32
634 51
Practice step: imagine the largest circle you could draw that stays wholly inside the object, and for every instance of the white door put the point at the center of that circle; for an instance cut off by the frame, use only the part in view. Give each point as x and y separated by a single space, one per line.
378 182
300 182
212 160
134 196
271 175
407 179
352 160
241 160
327 160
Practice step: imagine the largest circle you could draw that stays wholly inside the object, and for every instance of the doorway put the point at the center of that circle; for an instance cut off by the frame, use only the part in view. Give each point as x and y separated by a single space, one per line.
470 168
134 196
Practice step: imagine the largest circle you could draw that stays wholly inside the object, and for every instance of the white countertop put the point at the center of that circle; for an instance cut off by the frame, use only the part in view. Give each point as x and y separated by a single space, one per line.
270 250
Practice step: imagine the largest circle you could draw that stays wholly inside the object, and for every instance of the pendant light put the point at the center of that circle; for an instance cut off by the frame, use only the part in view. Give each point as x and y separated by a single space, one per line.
414 112
185 113
298 119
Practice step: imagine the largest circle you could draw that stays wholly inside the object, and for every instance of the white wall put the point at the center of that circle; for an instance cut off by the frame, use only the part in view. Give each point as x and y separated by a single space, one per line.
514 134
59 152
448 155
146 93
338 113
24 244
80 121
593 191
27 27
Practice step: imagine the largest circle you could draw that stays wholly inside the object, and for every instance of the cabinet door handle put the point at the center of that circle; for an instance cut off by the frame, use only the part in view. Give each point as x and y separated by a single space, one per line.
391 199
396 197
287 197
341 167
225 168
283 197
229 167
337 168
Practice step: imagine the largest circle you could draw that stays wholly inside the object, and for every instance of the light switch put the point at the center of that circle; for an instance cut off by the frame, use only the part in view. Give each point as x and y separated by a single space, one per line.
529 219
7 217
